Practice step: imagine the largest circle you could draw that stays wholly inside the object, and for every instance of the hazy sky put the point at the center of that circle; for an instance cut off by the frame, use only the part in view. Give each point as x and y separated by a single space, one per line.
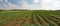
30 4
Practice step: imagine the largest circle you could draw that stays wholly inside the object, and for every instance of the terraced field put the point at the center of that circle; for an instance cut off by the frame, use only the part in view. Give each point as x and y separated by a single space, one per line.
30 18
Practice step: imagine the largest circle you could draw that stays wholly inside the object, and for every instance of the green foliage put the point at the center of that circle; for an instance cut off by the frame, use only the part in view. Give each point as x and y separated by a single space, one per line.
30 18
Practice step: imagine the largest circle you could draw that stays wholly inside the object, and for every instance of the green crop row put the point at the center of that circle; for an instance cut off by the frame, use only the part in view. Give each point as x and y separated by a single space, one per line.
30 18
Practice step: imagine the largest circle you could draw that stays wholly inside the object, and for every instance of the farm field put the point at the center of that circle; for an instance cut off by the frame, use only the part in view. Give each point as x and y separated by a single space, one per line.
30 18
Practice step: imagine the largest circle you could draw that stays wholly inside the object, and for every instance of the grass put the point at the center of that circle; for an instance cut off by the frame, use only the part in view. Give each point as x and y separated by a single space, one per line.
30 18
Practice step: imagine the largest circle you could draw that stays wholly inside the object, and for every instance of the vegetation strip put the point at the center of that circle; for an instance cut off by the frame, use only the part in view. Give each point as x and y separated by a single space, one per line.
30 18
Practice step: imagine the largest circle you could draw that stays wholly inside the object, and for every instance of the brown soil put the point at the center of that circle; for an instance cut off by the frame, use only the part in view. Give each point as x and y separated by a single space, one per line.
9 23
28 22
21 22
15 20
18 24
32 20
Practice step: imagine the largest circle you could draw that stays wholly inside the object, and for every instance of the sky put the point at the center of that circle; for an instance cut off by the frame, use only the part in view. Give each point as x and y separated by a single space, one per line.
30 4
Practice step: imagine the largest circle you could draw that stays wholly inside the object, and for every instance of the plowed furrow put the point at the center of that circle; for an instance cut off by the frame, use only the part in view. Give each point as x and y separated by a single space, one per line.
42 21
22 20
51 21
55 20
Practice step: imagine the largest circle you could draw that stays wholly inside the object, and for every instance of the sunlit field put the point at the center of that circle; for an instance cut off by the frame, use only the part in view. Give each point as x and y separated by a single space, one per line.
29 18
